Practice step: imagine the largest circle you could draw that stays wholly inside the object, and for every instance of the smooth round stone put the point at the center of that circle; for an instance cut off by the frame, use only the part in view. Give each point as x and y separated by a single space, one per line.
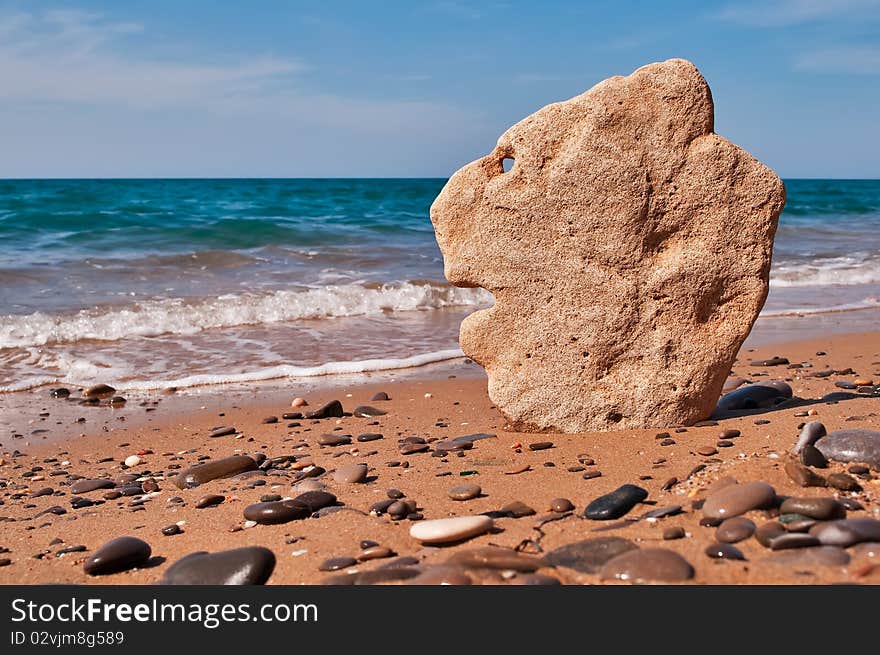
615 504
374 552
209 501
411 448
647 565
724 551
793 540
540 445
823 509
773 361
397 509
517 510
315 500
766 532
85 486
380 395
809 435
280 511
351 474
212 470
465 491
675 532
171 530
843 482
251 565
118 554
442 575
852 446
334 440
494 557
441 531
754 396
337 563
590 555
803 476
847 532
810 556
333 409
737 499
734 530
369 436
366 411
812 456
99 391
561 505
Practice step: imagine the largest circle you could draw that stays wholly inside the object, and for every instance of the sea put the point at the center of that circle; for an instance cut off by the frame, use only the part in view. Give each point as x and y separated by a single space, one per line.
147 284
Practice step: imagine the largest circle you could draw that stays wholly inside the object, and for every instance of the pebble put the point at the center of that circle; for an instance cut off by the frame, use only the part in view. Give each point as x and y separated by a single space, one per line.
299 402
856 445
380 395
99 391
810 434
793 540
843 482
724 551
351 474
541 445
809 556
648 565
209 501
334 440
734 530
440 531
707 451
132 460
374 552
773 361
333 409
737 499
366 411
281 511
315 500
561 505
589 556
847 532
495 557
803 476
464 491
812 456
769 531
84 486
754 396
171 530
369 436
337 563
410 448
675 532
517 510
251 565
222 431
442 575
221 468
823 509
117 555
615 504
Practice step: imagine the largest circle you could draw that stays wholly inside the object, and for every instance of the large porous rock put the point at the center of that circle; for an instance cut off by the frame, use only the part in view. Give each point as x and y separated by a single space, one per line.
628 249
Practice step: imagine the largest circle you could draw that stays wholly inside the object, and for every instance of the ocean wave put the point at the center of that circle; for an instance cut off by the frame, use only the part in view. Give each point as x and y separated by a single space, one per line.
867 303
268 373
183 317
845 270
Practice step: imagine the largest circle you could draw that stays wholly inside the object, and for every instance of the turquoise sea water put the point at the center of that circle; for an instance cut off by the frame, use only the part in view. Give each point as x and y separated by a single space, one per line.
188 281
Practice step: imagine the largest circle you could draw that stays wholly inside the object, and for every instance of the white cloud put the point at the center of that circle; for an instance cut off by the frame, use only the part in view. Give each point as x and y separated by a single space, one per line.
780 13
856 60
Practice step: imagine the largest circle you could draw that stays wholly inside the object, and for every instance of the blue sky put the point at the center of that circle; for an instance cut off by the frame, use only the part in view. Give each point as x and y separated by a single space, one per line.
148 88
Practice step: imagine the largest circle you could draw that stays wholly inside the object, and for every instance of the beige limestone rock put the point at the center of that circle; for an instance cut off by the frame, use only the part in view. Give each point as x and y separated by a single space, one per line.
628 250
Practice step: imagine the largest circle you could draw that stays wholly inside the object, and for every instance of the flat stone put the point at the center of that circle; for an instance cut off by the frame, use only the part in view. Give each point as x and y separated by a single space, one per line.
351 474
793 540
599 230
441 531
847 532
209 501
223 431
369 436
724 551
333 409
334 440
212 470
738 499
809 435
648 565
493 557
858 445
615 504
809 556
412 448
755 396
766 532
843 482
366 411
590 555
117 555
465 491
85 486
281 511
517 510
374 552
802 475
773 361
251 565
734 530
822 509
337 563
315 500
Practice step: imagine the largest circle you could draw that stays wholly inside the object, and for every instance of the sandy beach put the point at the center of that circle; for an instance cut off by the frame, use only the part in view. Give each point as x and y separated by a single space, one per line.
52 442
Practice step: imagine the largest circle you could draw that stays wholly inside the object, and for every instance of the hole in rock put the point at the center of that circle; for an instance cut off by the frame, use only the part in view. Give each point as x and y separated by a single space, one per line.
507 164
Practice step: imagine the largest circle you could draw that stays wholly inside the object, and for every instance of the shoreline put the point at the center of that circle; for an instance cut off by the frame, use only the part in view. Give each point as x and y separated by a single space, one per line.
172 431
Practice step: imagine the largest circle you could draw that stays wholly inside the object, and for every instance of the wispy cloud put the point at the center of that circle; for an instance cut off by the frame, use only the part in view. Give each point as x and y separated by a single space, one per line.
853 60
780 13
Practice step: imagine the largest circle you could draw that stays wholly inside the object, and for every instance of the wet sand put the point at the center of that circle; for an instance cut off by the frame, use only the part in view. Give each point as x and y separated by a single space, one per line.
171 430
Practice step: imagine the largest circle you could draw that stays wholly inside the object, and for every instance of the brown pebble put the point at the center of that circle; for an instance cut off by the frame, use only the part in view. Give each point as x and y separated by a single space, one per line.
706 450
561 505
209 501
676 532
843 482
518 469
337 563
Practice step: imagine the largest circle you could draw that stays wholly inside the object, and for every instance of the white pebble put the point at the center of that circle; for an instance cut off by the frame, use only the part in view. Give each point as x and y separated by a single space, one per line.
429 395
298 402
297 553
441 531
132 460
249 524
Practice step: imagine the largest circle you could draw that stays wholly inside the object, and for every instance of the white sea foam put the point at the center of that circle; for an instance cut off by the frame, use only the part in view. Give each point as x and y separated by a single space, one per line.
182 317
846 270
79 374
867 303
